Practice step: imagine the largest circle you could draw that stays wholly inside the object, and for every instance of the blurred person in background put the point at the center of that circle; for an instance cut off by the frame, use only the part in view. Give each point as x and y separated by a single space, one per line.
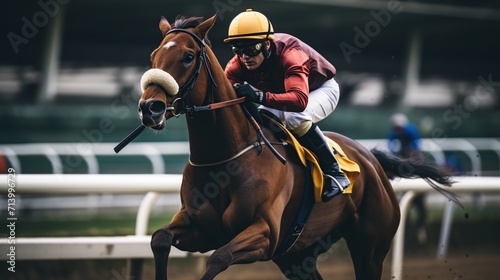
404 139
290 79
404 142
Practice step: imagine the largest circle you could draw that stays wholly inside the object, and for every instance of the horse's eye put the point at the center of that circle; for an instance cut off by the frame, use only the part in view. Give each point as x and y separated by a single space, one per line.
188 59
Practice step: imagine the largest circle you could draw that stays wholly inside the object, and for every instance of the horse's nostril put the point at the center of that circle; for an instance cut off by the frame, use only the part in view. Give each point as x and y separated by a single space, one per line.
156 107
152 108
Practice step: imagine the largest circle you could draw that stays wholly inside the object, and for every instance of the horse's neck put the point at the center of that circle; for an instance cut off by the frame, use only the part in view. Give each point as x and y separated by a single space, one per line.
219 134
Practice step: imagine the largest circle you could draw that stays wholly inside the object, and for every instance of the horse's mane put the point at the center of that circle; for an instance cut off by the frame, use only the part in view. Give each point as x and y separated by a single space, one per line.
184 22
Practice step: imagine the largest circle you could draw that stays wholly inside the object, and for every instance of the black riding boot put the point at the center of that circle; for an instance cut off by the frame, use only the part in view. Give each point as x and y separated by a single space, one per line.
335 180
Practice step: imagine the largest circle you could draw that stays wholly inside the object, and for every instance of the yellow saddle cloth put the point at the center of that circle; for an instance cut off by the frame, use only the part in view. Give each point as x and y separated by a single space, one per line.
350 168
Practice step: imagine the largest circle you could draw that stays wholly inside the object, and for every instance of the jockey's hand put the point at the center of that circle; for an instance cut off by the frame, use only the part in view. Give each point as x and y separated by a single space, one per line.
250 93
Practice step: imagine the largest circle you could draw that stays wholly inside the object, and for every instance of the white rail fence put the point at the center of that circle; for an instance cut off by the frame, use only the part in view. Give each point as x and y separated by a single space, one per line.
153 151
62 158
138 246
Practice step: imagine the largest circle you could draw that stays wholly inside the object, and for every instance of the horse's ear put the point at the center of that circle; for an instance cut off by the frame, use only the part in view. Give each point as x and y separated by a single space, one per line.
164 26
205 26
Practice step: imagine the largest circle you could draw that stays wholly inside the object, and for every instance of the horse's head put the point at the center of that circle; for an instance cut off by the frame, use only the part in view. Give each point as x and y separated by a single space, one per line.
175 66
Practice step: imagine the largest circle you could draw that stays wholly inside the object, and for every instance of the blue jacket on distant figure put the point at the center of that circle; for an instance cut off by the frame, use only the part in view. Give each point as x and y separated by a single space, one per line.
403 137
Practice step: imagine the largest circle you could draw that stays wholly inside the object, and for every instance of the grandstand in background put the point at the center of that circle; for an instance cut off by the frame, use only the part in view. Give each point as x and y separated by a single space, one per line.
64 61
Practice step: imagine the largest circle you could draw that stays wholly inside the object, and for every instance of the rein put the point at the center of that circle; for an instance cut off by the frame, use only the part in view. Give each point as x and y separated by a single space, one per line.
212 106
185 91
187 88
239 154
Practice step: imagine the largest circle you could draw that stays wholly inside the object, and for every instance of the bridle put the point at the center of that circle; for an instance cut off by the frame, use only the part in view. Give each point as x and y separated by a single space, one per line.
187 88
184 92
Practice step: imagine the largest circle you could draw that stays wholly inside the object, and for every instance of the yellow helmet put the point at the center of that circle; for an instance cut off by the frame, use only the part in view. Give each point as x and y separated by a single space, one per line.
250 25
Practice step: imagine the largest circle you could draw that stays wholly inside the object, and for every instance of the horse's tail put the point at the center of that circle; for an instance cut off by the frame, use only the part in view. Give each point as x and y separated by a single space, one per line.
417 167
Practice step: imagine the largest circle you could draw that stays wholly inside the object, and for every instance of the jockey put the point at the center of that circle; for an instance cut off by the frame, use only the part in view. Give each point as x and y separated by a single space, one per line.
289 79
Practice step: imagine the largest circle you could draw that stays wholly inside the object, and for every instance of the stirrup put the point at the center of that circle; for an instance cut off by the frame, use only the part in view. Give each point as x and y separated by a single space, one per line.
339 185
329 190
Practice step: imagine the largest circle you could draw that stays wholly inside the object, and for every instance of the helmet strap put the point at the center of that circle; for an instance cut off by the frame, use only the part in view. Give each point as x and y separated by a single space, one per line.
267 51
268 29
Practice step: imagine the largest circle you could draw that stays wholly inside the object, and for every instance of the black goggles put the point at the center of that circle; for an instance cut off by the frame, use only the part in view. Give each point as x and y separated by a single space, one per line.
251 50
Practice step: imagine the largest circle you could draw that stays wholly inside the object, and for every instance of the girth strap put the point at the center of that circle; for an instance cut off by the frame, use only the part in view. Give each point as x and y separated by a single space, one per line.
306 206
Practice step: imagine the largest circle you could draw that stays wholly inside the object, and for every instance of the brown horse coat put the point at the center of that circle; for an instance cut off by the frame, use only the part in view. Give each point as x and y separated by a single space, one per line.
242 208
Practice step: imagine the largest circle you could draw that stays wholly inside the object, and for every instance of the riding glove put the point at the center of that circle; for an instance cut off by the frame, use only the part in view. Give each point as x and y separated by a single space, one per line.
250 93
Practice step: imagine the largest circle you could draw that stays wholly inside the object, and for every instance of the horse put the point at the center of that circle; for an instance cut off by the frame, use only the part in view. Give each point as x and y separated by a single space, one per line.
237 197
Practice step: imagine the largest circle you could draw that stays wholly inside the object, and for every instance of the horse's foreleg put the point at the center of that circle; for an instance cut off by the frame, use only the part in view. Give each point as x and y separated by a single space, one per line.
249 246
161 242
181 233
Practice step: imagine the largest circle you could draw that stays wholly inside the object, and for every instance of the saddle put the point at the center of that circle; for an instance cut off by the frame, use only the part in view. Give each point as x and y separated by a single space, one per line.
314 176
308 159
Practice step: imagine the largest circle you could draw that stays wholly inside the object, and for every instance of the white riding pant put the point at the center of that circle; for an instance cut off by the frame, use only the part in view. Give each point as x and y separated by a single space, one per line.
321 103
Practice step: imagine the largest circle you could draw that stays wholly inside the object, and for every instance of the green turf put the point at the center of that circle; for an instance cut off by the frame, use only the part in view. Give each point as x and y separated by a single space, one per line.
96 224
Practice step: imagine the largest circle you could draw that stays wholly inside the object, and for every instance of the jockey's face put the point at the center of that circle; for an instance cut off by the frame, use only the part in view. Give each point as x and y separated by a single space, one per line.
253 62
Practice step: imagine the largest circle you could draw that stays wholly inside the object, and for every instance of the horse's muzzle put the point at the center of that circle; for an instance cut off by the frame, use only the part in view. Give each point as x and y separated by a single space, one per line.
152 113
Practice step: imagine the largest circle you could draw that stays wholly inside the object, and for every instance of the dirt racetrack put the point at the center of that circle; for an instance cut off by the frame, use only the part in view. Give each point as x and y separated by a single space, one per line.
470 263
480 263
477 266
474 265
474 254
